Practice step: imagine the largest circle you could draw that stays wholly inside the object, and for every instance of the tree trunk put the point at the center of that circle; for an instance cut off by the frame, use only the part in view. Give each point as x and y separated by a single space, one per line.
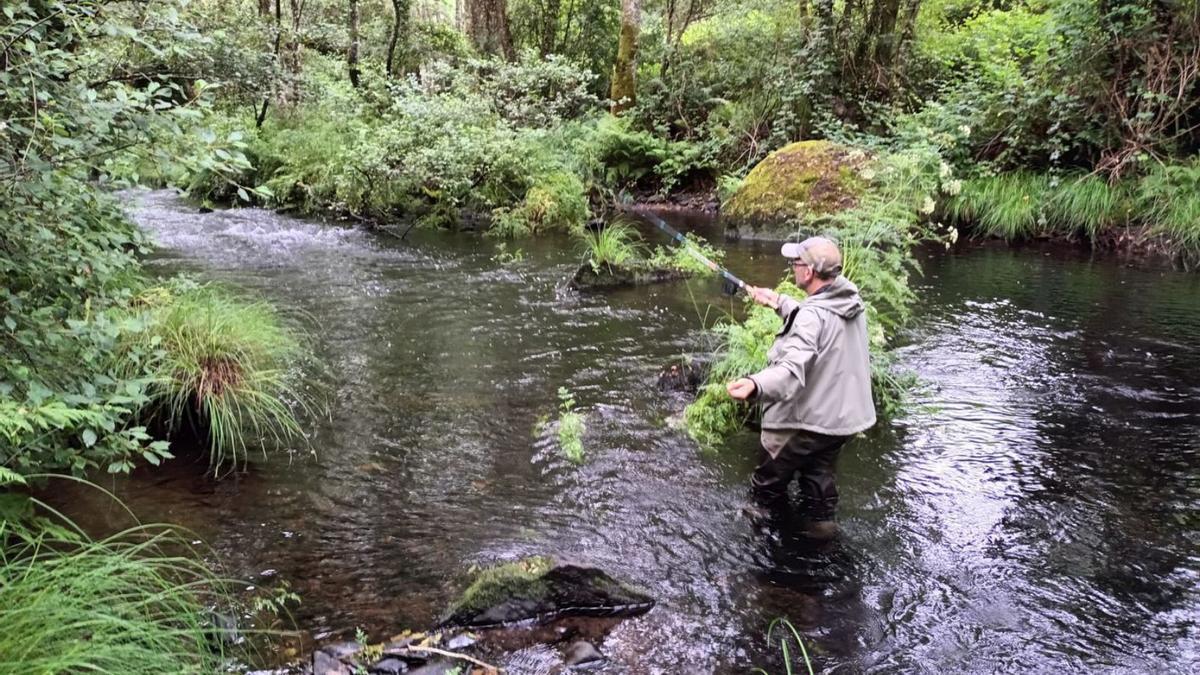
295 47
264 7
352 53
549 28
487 26
624 86
400 10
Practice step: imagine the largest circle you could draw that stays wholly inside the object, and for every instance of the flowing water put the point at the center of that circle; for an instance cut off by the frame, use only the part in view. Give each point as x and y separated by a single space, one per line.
1039 510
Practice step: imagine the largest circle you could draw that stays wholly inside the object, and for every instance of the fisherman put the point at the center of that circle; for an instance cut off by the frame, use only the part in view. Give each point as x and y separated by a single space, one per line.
816 388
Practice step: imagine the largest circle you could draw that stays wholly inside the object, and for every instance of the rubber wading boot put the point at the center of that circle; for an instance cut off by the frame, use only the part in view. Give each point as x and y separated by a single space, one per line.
821 530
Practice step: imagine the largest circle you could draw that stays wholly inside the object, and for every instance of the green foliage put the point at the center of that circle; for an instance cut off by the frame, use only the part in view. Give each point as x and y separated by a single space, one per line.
555 202
139 601
218 364
1087 204
1009 206
678 257
742 350
123 604
69 257
570 427
1168 199
615 245
781 624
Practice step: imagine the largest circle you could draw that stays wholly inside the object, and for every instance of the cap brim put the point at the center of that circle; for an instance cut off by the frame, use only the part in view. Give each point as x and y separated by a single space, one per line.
791 250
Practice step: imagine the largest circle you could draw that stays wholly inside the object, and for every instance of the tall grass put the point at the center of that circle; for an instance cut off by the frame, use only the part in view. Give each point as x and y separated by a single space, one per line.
1011 206
1086 204
782 624
137 602
742 349
615 245
1169 198
220 364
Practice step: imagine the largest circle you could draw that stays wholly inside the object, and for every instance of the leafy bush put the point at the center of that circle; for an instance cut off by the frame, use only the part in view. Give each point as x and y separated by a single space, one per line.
69 258
555 202
679 257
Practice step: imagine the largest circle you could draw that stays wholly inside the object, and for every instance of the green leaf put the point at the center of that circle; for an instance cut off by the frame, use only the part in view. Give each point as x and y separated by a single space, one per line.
89 437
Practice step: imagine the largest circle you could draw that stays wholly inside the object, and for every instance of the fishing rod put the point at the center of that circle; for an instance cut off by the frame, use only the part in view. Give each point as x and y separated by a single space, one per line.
690 248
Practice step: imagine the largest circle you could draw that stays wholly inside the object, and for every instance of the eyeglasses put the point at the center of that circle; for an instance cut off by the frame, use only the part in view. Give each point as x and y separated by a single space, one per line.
799 263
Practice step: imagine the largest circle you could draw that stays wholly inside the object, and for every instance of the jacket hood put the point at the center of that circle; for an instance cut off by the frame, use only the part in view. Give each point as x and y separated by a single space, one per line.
841 297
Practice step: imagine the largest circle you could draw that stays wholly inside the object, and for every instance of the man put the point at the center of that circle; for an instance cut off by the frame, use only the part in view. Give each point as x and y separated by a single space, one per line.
816 388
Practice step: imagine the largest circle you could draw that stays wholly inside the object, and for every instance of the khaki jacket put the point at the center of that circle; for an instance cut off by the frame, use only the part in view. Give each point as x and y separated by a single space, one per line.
818 374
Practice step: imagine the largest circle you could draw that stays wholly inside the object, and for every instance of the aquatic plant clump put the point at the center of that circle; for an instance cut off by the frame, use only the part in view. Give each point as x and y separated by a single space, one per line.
220 365
570 427
614 245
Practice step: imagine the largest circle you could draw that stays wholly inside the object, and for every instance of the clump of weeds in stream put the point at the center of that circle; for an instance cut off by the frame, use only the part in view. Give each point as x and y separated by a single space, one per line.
615 245
781 625
140 601
570 427
220 364
504 256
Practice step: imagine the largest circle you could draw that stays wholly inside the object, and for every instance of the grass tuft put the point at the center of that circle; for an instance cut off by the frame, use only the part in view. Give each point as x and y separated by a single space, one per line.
615 245
221 363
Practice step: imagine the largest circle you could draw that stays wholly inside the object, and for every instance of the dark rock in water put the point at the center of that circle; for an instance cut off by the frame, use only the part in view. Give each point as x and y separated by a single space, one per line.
539 594
685 376
440 667
582 653
342 650
327 664
205 209
617 276
390 666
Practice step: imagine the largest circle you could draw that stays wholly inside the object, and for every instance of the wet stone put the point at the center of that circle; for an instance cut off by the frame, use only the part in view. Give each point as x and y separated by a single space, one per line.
439 667
499 599
325 664
617 276
390 666
582 654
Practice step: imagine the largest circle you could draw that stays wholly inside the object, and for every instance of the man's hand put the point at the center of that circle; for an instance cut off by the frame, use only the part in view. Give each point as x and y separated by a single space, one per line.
764 296
741 389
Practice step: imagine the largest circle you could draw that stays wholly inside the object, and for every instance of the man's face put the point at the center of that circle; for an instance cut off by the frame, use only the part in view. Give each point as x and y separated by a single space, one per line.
804 273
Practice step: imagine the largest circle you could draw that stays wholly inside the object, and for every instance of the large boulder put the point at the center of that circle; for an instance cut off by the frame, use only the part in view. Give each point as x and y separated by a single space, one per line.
803 180
537 591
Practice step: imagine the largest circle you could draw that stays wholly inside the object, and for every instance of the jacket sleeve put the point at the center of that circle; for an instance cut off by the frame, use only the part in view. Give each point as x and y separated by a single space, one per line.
785 375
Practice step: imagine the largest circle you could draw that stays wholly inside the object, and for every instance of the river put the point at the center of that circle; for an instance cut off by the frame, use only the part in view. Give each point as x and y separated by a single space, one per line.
1038 510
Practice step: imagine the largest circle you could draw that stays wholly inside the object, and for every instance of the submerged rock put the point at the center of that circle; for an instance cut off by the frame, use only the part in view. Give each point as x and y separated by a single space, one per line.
582 654
803 179
684 376
534 592
617 276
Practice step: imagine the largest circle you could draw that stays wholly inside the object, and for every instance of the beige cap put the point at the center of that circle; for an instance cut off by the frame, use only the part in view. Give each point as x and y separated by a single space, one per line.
819 253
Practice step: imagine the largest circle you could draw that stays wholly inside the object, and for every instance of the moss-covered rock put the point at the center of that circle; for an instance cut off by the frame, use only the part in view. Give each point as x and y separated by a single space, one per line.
537 591
802 180
589 278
